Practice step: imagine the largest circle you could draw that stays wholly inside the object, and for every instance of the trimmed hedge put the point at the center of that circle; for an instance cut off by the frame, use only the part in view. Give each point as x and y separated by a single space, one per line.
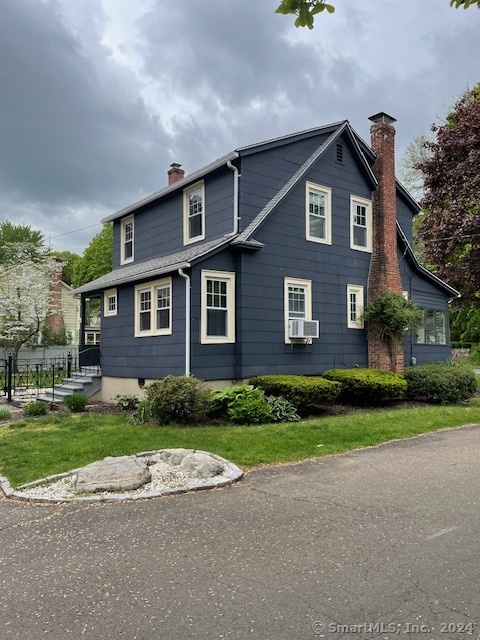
440 383
301 391
368 386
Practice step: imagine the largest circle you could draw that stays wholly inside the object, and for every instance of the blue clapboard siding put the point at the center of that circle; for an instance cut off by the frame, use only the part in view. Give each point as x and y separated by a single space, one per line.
159 225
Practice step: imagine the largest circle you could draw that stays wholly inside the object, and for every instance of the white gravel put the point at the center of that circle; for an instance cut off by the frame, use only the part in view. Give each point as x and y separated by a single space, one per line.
164 478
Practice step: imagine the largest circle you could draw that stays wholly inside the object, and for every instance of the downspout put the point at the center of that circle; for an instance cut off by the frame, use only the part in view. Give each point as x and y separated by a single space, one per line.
236 219
187 321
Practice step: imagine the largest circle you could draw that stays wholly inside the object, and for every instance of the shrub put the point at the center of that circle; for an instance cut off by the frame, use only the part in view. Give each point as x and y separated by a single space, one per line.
474 357
5 413
368 386
301 391
127 401
35 409
180 399
76 402
250 407
282 410
224 398
142 415
440 383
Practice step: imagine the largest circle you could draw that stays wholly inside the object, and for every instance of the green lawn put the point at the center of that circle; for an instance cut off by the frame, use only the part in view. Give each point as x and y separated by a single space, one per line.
34 448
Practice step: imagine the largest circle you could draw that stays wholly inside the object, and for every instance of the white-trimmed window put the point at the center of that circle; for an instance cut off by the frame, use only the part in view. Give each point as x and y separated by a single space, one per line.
153 308
218 307
110 302
127 239
194 213
360 224
92 338
298 301
354 306
431 328
319 213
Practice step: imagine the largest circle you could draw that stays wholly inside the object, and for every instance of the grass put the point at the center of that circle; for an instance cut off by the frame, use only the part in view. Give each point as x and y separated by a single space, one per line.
34 448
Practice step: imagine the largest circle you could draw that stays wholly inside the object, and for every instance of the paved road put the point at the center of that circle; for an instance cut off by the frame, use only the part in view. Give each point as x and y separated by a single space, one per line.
386 537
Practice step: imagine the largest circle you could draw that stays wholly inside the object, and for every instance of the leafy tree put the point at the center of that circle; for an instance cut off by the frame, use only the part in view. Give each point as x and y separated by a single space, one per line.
416 152
26 301
450 228
97 258
69 260
19 242
305 10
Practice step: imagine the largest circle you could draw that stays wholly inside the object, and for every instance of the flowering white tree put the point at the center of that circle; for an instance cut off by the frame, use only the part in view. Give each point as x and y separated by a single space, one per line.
26 300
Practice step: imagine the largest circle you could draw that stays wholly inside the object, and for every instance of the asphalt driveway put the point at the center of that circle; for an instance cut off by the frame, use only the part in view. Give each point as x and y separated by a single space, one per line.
382 542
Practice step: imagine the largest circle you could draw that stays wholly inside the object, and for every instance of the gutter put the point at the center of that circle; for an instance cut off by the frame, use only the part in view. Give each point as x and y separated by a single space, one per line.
187 321
236 219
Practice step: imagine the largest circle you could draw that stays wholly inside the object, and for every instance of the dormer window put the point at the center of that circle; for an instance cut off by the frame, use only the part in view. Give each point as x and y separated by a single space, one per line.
127 240
194 213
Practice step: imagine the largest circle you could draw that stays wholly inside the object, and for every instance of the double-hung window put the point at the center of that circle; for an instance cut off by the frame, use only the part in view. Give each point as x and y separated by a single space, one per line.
194 213
431 328
110 302
354 306
360 224
218 307
153 308
319 213
298 301
127 239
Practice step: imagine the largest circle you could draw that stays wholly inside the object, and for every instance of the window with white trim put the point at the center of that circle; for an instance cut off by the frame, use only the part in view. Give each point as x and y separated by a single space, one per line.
354 306
110 302
127 239
319 213
153 308
194 213
218 307
431 328
360 224
297 301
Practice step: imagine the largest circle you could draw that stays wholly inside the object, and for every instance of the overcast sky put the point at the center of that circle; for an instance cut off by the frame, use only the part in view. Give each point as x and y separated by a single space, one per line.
98 97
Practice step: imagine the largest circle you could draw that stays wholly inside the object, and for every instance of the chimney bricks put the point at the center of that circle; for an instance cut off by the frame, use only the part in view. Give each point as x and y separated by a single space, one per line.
384 270
175 173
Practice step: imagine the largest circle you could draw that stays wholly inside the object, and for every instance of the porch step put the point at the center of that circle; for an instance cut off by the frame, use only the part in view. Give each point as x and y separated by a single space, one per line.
85 384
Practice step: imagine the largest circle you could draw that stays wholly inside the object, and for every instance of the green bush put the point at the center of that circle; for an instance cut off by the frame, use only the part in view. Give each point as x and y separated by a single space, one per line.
5 413
282 410
442 383
35 409
223 399
180 399
250 407
301 391
141 415
368 386
474 357
127 401
76 402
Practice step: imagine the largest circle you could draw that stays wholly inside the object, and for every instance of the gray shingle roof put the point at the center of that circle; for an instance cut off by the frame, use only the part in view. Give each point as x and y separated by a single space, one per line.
151 268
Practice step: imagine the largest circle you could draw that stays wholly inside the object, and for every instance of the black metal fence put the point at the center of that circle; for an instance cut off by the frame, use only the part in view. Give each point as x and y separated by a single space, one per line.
31 378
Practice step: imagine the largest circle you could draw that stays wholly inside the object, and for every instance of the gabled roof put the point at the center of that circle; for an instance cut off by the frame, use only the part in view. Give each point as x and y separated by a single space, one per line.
343 127
153 268
453 293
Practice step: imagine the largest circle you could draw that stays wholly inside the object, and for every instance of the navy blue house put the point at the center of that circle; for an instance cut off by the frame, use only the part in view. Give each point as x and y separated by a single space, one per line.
260 263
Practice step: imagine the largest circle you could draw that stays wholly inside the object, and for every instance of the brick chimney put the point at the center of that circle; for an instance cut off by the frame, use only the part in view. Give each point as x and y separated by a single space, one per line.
175 173
384 270
55 320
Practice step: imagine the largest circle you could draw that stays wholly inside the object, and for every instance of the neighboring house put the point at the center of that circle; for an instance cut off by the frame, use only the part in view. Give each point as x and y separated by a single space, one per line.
230 272
71 314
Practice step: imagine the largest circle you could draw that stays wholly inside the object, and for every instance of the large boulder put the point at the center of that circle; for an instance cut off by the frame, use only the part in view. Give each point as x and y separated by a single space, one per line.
201 465
123 473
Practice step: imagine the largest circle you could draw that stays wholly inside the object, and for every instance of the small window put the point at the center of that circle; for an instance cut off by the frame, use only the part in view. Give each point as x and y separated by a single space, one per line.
354 306
194 213
431 328
127 233
110 303
339 152
361 224
298 301
218 307
319 213
153 308
92 338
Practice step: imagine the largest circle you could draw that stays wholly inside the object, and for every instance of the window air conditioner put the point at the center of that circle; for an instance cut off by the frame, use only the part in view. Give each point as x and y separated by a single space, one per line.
302 329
